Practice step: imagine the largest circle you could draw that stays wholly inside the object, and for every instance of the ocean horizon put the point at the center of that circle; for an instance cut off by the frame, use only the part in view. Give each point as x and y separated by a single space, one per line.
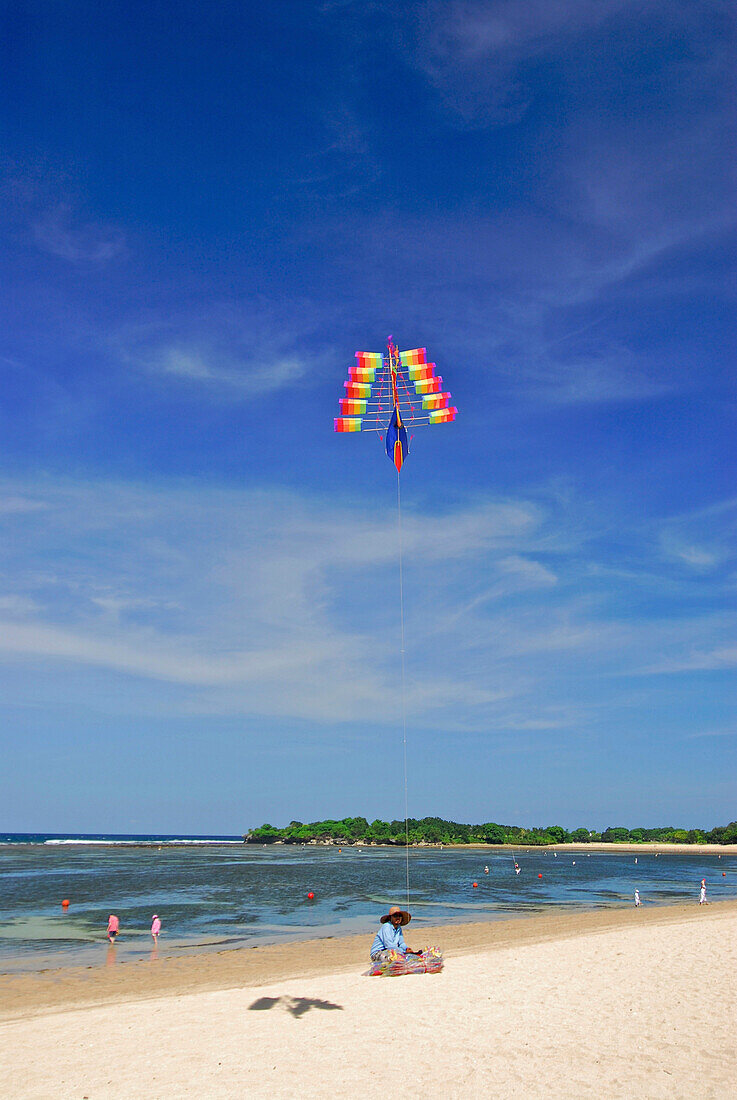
117 838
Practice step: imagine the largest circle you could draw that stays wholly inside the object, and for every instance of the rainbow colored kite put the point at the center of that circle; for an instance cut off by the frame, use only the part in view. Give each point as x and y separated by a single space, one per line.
390 393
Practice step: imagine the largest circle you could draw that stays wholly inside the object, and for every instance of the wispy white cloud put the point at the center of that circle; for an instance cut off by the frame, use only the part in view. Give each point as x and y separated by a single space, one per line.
730 732
52 216
343 162
523 573
615 191
481 55
471 50
608 375
276 604
213 368
698 660
477 32
143 654
118 604
14 504
518 283
219 351
702 540
474 52
59 233
698 557
17 605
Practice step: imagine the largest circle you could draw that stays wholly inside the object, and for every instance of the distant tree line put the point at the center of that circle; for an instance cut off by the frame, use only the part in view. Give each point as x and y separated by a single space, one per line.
435 830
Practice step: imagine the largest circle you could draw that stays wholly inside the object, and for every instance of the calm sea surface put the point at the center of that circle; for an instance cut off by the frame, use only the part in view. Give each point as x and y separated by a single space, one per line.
221 893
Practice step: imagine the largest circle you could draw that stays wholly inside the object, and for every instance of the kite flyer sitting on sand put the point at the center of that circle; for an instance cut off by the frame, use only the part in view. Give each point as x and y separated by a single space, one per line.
390 937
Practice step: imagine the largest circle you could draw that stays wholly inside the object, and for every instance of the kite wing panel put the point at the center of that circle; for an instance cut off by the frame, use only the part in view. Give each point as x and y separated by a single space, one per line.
379 385
443 416
360 390
435 401
413 358
428 385
369 359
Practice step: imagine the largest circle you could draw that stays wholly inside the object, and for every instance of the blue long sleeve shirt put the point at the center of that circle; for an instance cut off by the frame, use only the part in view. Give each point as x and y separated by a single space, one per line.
388 938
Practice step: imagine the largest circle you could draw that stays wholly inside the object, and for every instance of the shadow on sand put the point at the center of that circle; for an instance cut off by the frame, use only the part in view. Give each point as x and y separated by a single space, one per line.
296 1006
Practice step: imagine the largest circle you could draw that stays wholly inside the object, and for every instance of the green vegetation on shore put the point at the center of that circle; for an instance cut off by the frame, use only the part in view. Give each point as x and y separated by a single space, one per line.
435 830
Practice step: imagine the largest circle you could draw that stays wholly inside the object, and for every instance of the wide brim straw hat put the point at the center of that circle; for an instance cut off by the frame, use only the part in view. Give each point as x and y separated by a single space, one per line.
406 917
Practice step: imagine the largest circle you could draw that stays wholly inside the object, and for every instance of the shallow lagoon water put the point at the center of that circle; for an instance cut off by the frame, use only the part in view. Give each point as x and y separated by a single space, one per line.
223 895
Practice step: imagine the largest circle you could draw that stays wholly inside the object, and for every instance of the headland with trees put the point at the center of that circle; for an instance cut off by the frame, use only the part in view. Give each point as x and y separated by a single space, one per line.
436 830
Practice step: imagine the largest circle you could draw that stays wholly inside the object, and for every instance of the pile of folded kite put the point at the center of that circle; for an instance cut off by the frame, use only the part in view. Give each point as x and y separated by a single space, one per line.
393 964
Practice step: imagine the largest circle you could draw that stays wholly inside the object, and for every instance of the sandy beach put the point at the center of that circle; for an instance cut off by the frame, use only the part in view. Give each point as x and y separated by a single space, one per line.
610 1003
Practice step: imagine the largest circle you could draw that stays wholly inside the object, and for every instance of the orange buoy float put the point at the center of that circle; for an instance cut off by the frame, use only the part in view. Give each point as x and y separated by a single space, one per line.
475 885
539 876
310 896
65 903
724 874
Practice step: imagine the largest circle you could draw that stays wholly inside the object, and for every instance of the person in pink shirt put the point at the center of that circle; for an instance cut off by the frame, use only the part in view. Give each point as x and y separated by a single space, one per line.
155 927
113 925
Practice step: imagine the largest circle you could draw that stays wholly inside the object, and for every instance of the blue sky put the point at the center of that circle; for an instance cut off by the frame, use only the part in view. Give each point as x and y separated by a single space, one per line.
206 209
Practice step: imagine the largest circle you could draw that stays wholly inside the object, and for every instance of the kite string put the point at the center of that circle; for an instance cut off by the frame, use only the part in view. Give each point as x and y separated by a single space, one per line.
404 709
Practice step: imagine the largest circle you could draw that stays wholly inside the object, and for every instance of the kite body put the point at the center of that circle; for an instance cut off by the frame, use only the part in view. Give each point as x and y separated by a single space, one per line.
390 393
396 442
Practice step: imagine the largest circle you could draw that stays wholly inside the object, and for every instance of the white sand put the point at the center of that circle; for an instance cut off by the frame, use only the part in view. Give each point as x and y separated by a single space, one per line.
642 1010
